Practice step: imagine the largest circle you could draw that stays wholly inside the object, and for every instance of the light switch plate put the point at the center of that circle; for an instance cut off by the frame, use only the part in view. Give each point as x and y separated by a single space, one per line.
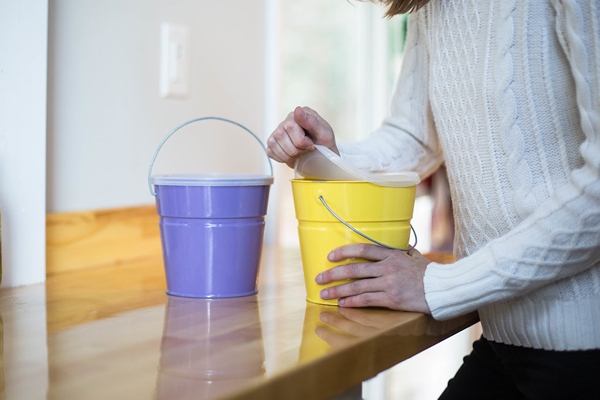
175 61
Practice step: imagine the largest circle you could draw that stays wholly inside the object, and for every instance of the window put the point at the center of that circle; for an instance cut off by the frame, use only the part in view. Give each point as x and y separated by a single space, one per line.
339 58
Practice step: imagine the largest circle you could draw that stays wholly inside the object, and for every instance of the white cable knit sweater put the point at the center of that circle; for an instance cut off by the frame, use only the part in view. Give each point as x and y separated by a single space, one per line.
507 93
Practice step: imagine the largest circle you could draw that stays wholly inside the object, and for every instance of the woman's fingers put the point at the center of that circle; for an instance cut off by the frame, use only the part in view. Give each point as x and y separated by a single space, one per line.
349 271
296 134
360 250
352 288
289 140
292 138
275 151
273 156
316 127
355 270
370 299
283 140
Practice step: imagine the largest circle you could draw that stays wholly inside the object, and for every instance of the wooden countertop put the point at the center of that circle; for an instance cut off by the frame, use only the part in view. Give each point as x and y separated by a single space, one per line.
113 333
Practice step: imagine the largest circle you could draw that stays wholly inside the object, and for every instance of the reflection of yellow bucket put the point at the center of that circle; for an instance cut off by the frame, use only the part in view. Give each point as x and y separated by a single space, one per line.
312 346
382 213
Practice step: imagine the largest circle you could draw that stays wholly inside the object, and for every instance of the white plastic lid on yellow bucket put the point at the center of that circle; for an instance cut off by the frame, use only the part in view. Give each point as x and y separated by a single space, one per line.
324 164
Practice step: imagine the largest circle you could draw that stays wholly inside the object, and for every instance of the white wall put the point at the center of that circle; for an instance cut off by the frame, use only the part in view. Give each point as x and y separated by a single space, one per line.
105 116
23 45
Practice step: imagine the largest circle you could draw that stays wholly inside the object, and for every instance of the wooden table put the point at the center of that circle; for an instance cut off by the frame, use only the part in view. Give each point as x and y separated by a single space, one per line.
113 333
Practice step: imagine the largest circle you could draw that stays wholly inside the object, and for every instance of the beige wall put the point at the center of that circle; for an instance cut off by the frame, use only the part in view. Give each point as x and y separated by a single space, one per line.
105 115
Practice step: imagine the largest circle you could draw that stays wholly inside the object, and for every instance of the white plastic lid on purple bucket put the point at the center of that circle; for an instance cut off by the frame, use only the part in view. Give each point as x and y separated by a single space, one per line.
212 180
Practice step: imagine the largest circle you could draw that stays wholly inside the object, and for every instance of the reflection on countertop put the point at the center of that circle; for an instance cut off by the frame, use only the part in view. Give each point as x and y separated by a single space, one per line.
112 332
209 347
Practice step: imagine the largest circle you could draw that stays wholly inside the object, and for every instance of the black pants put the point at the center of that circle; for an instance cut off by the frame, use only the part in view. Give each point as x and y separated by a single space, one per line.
500 371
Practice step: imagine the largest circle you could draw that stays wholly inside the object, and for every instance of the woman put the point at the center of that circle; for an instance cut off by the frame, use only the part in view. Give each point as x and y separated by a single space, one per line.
507 93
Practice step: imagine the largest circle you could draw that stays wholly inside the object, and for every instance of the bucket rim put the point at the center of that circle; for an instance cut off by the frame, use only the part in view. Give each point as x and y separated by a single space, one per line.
212 179
307 180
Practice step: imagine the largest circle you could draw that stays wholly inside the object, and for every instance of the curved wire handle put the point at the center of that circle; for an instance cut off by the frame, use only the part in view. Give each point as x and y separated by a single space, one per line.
365 236
153 193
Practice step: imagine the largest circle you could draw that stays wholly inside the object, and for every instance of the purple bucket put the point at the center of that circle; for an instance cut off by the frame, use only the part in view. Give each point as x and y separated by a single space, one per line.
211 228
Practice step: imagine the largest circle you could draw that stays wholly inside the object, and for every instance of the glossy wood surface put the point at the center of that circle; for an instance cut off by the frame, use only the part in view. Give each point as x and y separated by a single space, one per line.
113 333
84 239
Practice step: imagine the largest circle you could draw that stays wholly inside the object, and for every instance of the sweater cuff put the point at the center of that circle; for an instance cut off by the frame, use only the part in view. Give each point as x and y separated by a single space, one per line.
459 288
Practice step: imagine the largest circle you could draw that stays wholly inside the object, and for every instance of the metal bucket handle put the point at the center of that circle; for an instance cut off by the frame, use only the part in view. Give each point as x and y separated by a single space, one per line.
365 236
153 193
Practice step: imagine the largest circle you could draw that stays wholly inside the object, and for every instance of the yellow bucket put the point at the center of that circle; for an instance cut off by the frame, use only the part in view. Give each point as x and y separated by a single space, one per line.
381 213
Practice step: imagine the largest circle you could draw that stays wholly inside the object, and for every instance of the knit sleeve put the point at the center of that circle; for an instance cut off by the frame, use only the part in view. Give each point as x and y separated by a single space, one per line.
562 237
407 140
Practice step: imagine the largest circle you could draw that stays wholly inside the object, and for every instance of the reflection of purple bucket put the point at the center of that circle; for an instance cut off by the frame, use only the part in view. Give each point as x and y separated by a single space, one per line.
211 227
209 347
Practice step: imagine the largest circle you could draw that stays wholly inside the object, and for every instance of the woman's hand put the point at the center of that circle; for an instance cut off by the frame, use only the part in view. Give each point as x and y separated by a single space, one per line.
394 280
298 133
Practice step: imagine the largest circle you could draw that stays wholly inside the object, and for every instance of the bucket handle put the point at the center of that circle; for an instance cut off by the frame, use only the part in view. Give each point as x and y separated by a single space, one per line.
153 193
365 236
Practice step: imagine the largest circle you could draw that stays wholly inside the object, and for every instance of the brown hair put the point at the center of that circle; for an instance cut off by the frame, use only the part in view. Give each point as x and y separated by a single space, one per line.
395 7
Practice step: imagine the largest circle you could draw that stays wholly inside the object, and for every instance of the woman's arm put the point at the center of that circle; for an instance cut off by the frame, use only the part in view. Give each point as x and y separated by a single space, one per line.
407 140
562 237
